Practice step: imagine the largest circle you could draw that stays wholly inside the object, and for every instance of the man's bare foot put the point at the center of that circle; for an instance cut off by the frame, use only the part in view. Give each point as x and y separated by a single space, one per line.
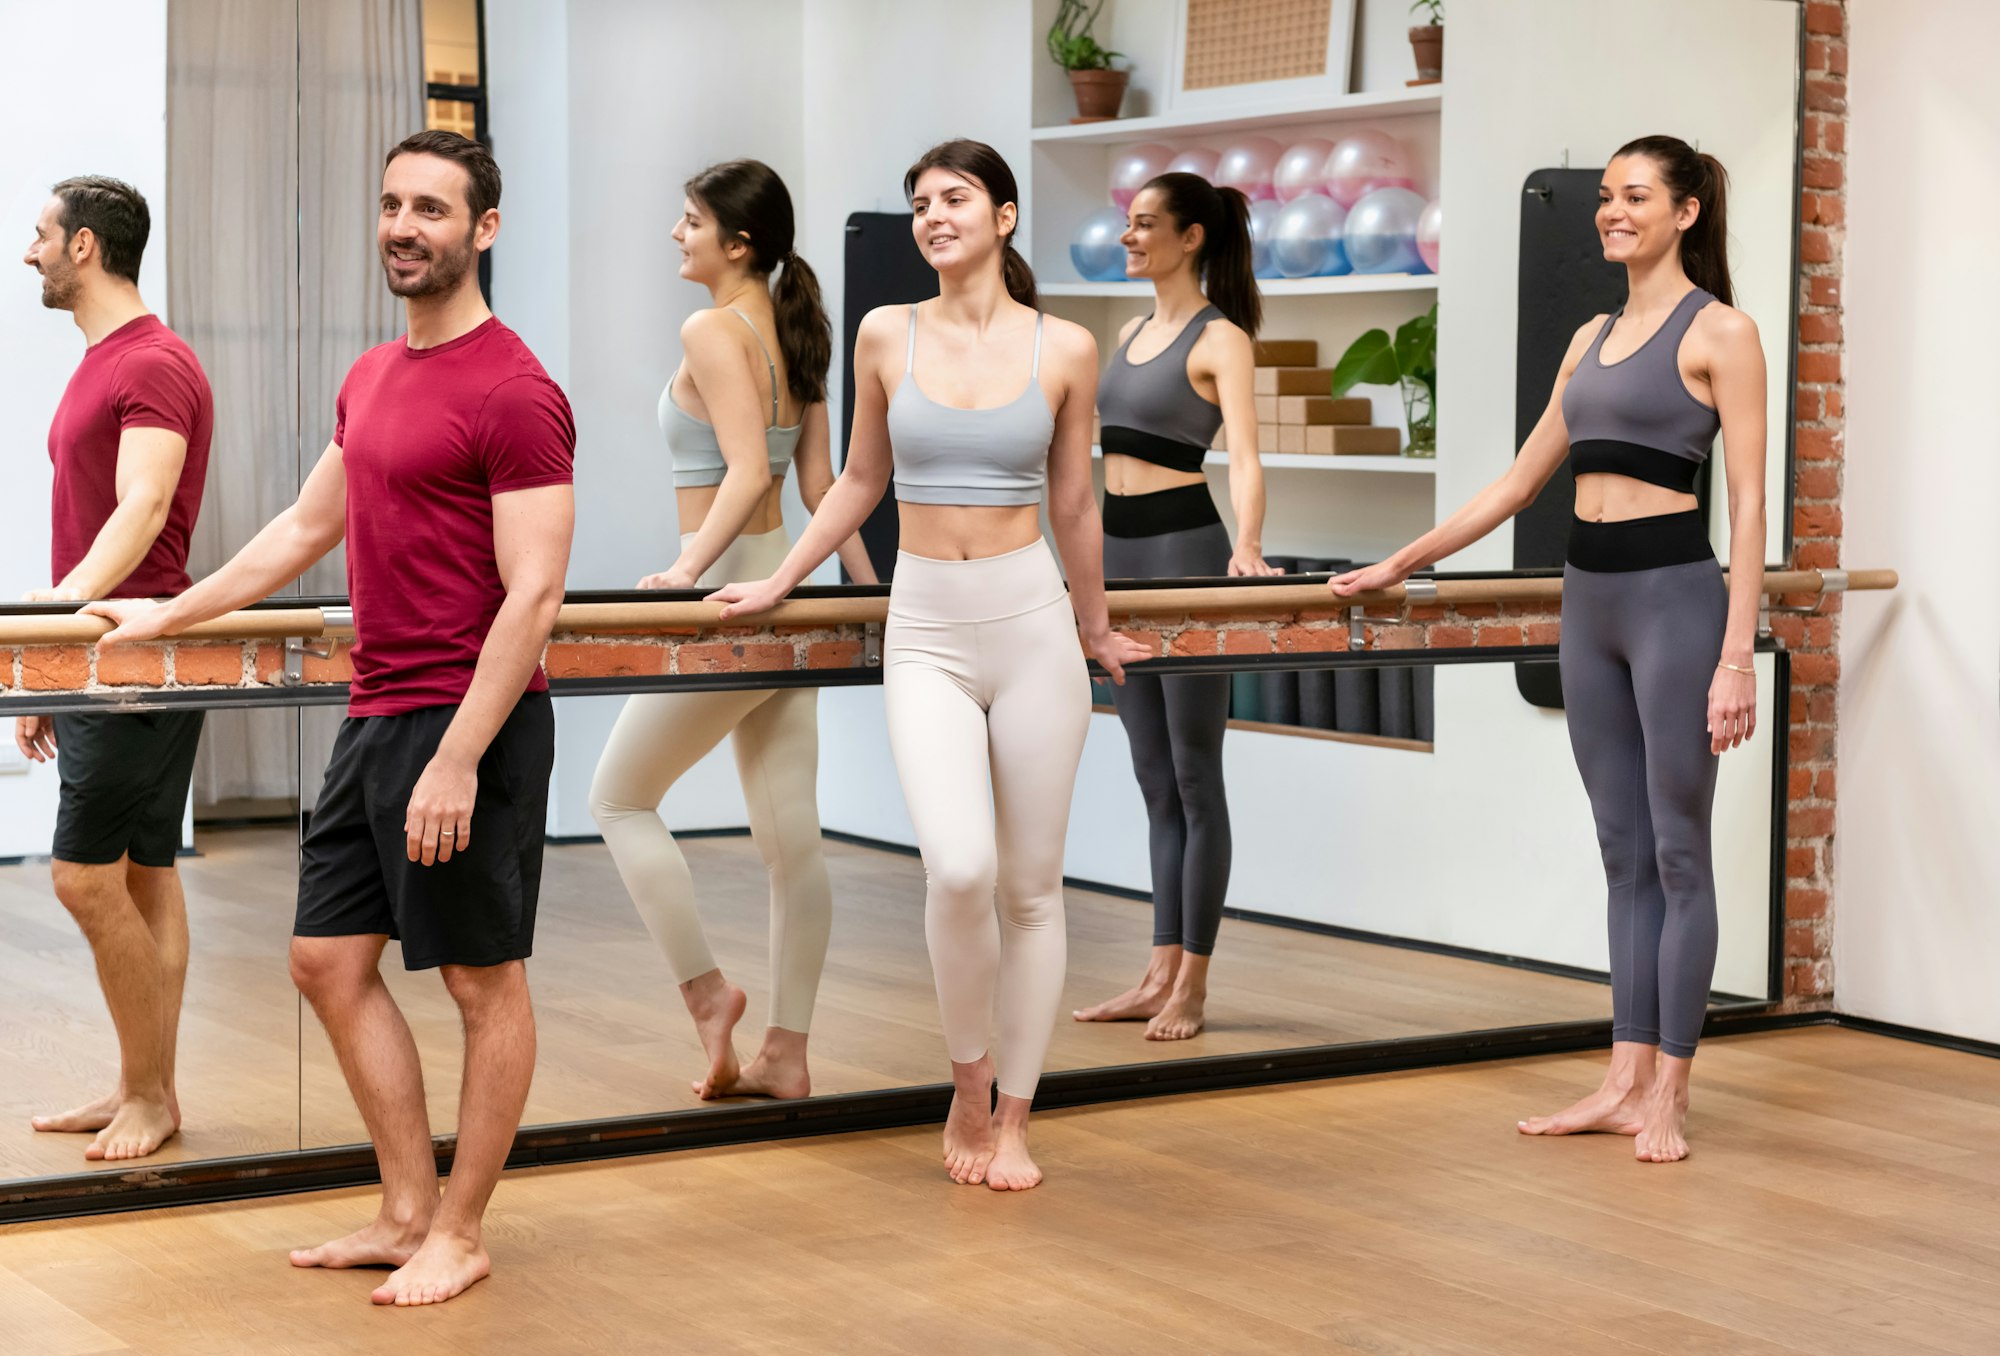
1663 1138
1611 1110
93 1116
1143 1000
715 1018
968 1128
382 1243
138 1128
443 1267
1181 1018
1011 1168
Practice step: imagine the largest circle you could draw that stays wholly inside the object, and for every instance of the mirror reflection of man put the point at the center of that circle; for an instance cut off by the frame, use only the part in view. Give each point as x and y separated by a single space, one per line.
130 448
449 477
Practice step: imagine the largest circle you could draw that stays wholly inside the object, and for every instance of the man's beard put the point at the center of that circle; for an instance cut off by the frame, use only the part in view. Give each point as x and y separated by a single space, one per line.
59 289
446 272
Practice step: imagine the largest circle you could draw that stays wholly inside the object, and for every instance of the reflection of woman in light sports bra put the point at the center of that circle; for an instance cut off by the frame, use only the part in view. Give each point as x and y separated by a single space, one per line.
985 686
1656 647
748 400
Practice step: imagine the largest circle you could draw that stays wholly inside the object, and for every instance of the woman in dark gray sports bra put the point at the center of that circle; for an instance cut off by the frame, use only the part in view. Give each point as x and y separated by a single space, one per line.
1656 648
1179 374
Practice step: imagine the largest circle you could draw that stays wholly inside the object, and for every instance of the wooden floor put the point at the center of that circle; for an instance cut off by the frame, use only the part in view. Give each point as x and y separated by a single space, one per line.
615 1038
1843 1198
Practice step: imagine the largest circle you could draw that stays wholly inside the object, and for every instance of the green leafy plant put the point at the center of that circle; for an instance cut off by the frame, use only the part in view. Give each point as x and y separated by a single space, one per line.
1408 362
1432 10
1070 44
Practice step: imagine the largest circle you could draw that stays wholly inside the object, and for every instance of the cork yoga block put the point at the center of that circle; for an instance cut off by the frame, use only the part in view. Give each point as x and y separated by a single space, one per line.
1292 380
1324 410
1349 440
1287 353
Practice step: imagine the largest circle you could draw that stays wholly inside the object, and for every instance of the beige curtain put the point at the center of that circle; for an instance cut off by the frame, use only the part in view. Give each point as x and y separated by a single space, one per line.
278 116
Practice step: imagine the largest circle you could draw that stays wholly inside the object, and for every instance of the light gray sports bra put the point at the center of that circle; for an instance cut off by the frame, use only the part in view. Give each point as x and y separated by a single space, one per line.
997 455
696 452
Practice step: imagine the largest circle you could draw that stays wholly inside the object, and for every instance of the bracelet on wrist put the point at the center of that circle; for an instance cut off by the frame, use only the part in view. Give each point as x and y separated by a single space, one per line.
1736 668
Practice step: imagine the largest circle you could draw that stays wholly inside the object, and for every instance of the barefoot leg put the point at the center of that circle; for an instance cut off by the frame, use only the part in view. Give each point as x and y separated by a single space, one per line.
1184 1013
1662 1137
779 1069
156 890
968 1128
1144 999
716 1006
1011 1169
1615 1107
88 1118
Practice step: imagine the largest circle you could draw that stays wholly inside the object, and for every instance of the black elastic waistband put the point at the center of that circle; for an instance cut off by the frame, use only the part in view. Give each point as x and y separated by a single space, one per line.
1609 456
1151 515
1639 543
1171 453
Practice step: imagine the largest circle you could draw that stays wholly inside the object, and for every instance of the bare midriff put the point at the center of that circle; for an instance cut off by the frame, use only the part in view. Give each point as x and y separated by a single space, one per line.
1605 498
694 502
1129 475
967 531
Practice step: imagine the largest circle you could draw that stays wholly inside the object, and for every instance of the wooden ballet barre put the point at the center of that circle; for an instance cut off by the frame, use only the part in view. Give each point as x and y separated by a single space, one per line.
313 623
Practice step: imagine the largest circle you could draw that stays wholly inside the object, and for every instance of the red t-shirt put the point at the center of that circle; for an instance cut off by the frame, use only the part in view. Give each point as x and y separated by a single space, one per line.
141 375
428 437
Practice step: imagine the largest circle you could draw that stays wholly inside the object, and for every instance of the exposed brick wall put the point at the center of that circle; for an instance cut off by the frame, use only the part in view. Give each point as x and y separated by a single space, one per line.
1820 413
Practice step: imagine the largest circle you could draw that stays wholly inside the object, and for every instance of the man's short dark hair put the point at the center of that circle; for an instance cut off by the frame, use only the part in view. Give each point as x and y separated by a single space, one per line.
116 214
483 193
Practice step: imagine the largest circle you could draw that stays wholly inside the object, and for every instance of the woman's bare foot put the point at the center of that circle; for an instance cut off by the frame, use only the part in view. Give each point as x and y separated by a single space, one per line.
716 1006
443 1267
93 1116
968 1127
138 1128
1663 1138
382 1243
779 1070
1608 1111
1144 999
1011 1169
1181 1018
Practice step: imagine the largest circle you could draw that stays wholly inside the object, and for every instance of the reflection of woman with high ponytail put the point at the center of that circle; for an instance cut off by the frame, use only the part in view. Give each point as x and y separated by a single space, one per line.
736 415
1180 373
1656 648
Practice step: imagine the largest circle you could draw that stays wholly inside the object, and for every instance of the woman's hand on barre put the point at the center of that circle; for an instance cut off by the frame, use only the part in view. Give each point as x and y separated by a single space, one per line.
132 619
1367 579
1114 650
668 579
747 599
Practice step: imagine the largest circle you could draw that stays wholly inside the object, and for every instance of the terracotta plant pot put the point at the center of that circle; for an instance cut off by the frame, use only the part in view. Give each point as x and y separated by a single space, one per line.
1427 45
1098 93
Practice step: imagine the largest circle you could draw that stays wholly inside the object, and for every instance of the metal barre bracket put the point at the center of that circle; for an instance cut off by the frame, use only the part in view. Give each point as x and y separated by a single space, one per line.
871 645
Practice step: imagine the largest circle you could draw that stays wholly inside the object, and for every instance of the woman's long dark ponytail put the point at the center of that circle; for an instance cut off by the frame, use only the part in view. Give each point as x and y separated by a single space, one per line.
1689 173
1223 261
748 200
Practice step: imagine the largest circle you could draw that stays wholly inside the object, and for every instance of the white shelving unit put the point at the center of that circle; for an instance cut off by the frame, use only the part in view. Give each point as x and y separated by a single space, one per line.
1353 284
1426 99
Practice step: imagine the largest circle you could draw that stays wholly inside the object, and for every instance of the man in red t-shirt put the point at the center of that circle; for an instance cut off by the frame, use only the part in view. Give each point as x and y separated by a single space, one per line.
449 476
130 447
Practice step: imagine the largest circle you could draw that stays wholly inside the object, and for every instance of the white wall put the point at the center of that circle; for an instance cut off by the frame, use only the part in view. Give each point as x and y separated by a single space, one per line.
116 126
1917 869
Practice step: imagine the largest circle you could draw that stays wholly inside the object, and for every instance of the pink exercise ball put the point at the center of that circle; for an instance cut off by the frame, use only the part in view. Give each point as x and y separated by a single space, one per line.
1428 226
1364 161
1301 169
1195 161
1248 166
1133 166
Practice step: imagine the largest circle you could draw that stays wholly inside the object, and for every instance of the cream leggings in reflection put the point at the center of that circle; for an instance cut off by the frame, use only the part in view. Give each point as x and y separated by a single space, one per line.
775 734
988 702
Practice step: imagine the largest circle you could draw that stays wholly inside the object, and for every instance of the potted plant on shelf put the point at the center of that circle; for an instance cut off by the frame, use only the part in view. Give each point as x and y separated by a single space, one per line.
1408 362
1098 88
1427 41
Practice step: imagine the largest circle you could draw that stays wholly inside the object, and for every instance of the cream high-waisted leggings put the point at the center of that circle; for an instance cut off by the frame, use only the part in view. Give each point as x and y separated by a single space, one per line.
775 733
988 702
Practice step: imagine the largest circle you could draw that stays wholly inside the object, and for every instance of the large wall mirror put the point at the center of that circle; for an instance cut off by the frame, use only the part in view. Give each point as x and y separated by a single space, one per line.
1413 850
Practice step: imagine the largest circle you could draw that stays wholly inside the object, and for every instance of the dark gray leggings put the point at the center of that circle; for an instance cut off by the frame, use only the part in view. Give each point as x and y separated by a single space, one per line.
1175 726
1638 654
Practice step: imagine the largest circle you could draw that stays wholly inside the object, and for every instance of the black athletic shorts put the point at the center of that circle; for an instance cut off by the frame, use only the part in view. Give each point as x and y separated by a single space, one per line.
355 875
125 778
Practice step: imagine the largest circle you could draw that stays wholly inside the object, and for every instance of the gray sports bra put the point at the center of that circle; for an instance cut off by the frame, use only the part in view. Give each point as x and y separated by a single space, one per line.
1151 410
997 455
1636 417
696 452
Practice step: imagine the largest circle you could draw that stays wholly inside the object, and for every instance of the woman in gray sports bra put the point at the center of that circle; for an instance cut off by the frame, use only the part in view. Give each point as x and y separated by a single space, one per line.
724 415
1656 648
1159 415
985 688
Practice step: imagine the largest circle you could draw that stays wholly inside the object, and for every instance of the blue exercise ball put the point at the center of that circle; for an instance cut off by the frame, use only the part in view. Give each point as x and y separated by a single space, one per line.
1095 250
1382 232
1263 215
1306 237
